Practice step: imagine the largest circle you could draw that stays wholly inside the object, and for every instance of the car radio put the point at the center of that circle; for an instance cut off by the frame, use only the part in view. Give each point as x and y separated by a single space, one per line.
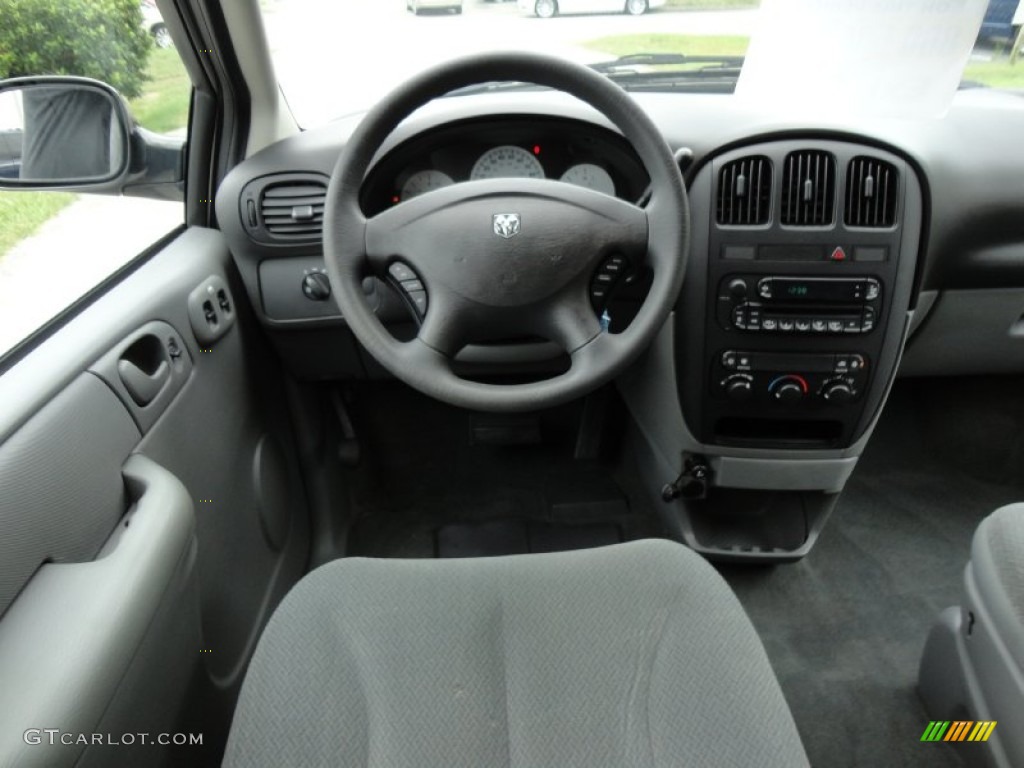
799 305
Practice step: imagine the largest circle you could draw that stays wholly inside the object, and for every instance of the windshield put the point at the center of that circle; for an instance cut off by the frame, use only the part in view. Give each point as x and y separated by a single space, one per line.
338 57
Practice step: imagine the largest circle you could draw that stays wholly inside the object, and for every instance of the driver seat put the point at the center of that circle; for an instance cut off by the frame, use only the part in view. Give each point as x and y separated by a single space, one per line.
636 654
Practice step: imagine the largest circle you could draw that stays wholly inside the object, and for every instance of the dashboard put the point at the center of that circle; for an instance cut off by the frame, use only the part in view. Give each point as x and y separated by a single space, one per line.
825 259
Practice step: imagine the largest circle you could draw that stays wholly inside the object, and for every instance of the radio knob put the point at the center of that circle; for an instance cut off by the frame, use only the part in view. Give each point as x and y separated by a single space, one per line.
837 391
788 389
738 289
738 387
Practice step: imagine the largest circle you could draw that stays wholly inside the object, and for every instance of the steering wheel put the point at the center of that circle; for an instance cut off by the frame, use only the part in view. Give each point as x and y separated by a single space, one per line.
506 257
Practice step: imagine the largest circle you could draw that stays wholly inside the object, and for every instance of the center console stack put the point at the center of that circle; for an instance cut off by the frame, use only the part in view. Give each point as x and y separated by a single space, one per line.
786 337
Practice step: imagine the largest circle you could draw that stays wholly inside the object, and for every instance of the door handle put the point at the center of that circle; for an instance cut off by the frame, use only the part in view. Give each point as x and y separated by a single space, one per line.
142 386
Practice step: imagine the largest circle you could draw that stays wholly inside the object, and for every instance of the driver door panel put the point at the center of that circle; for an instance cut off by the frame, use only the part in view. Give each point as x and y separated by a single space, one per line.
142 552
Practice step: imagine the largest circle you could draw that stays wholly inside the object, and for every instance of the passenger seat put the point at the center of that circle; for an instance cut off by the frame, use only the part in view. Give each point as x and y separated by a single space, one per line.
973 663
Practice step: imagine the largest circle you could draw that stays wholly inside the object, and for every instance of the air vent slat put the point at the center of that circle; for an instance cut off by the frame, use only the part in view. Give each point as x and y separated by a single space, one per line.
271 220
744 192
294 230
808 189
294 190
871 193
293 210
316 201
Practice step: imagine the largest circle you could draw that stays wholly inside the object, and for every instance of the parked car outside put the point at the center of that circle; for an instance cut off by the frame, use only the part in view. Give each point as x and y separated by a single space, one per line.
455 6
153 23
545 9
1001 19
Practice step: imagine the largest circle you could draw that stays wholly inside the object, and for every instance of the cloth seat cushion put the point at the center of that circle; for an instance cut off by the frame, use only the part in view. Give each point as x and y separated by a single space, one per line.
636 654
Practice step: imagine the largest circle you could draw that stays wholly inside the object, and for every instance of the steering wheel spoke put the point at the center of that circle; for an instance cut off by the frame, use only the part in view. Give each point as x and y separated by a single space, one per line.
570 321
444 328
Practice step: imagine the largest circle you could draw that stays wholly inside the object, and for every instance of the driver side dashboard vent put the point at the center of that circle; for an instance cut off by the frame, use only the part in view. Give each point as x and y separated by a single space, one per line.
809 189
871 193
285 208
745 191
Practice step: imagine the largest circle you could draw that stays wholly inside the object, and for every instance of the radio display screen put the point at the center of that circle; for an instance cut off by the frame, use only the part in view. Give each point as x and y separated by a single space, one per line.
829 290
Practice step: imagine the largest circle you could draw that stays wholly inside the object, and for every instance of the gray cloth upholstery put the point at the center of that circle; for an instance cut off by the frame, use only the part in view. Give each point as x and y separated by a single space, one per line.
997 559
636 654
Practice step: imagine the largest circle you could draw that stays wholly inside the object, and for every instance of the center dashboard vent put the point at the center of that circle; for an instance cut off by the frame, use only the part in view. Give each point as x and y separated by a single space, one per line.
809 189
745 191
871 193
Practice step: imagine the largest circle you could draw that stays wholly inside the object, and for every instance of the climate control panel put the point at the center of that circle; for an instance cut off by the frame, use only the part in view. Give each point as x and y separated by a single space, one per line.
789 379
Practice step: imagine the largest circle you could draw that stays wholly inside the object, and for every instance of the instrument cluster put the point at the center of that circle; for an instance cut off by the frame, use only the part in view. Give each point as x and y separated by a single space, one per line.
514 147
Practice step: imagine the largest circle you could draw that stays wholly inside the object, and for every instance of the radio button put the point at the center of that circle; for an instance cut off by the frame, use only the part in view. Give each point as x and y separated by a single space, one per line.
868 320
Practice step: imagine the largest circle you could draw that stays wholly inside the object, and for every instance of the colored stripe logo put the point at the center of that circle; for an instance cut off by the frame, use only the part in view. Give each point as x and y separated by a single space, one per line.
958 730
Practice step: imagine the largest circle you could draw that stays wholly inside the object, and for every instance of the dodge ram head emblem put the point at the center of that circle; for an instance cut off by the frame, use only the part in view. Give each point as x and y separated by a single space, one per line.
506 224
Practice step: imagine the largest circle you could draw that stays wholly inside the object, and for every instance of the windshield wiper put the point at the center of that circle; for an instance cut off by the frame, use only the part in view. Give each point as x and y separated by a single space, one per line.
675 67
638 69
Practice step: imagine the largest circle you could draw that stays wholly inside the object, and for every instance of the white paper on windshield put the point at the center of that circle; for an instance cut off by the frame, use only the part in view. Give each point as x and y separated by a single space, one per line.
892 58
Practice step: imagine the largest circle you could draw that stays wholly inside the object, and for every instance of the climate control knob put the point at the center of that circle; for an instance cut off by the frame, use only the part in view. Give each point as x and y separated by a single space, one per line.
837 391
788 389
739 387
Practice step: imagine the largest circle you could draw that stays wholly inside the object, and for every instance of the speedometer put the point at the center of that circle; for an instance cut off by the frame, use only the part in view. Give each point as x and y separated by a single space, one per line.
506 161
590 176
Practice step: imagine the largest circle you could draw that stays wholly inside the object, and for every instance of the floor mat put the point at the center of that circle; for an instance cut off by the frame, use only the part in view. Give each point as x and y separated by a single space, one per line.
845 627
431 487
519 537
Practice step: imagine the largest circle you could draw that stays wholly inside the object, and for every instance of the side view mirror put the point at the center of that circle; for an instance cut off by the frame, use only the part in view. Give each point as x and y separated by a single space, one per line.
73 133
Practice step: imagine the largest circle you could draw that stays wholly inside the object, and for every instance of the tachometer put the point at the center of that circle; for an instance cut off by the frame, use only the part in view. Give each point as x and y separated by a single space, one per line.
424 181
506 161
590 176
